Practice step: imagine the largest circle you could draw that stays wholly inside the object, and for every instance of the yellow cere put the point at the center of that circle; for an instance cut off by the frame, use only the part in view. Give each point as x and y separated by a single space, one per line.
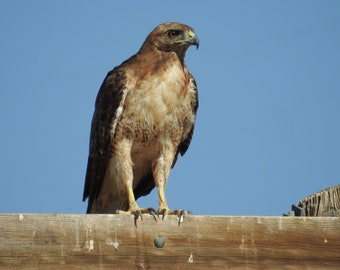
191 33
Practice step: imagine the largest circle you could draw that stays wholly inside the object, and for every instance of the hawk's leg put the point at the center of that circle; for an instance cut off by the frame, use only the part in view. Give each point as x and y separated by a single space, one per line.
124 173
134 209
161 168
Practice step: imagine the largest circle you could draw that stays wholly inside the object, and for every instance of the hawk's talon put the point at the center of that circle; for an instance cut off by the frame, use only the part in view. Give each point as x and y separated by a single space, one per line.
153 213
162 212
139 213
180 217
136 215
179 213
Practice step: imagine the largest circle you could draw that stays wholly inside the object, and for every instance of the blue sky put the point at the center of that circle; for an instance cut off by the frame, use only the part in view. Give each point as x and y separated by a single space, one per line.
268 74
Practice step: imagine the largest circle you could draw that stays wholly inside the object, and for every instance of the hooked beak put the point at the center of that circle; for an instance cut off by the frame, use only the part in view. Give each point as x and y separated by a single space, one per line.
193 39
190 39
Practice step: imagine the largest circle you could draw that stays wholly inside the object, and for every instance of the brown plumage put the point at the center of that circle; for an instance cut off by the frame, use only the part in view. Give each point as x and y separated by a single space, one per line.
144 117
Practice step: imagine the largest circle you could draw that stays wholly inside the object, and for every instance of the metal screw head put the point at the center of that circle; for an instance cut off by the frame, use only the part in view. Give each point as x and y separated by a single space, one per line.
159 242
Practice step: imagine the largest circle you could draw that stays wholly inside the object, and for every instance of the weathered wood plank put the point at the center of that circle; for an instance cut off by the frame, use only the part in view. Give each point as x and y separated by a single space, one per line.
325 203
58 241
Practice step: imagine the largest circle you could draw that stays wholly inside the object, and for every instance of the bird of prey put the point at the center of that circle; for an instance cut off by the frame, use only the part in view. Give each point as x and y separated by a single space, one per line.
144 117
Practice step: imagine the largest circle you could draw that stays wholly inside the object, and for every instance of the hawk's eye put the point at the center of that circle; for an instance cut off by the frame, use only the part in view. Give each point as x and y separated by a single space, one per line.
174 33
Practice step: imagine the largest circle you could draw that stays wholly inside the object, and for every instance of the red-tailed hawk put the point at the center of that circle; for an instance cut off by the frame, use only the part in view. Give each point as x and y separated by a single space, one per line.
144 117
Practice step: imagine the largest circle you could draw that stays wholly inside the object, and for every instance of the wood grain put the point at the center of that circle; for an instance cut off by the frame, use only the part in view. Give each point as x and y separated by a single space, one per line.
325 203
63 241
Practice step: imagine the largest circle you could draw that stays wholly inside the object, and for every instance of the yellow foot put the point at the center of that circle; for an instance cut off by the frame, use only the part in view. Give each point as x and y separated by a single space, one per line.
179 213
138 213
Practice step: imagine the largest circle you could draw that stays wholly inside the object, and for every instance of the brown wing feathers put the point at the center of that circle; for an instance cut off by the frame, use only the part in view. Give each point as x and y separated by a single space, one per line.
107 102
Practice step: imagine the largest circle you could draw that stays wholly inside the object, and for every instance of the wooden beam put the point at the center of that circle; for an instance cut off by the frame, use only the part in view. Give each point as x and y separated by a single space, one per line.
60 241
323 203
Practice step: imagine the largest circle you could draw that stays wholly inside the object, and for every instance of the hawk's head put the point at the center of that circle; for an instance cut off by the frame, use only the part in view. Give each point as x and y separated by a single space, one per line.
171 37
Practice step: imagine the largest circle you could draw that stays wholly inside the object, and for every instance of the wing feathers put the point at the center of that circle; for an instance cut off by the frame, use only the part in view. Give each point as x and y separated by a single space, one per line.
184 145
110 97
